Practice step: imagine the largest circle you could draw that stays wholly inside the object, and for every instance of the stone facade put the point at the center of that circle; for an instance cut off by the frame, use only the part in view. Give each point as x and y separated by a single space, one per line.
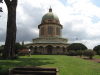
48 48
50 39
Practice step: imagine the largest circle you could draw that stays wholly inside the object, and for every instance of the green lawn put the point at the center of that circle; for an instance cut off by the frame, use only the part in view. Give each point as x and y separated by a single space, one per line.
97 56
67 65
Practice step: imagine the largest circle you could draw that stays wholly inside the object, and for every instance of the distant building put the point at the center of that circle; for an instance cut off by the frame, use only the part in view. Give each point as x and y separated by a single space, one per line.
50 40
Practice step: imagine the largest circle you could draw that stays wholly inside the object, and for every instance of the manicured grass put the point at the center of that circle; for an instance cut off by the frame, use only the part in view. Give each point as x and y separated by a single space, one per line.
67 65
97 56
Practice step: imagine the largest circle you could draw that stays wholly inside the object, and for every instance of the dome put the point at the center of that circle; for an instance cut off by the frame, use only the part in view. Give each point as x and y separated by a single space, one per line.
50 17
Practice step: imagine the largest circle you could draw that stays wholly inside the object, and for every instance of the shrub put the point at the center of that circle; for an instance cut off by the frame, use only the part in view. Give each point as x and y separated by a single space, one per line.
72 53
89 53
97 49
1 49
18 46
80 53
76 47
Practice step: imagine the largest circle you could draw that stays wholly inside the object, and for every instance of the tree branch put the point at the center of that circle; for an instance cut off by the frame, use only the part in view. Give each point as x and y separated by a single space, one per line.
14 2
11 3
7 2
0 0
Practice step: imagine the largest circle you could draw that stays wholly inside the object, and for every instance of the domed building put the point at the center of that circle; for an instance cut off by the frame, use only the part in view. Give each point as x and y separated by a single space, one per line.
50 39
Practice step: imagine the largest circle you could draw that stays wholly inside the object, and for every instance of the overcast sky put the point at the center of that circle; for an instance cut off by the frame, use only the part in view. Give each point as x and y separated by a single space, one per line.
80 19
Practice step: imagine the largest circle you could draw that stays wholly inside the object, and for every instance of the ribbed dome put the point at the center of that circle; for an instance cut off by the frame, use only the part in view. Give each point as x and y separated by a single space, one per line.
50 17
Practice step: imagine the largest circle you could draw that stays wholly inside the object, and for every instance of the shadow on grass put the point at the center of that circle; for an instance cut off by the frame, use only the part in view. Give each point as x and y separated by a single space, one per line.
20 62
25 62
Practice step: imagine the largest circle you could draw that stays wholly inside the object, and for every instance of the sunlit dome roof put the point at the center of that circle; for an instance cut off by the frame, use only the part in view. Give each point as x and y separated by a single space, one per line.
50 16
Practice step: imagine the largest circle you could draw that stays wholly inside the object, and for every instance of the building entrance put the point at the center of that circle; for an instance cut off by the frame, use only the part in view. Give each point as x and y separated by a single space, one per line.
49 49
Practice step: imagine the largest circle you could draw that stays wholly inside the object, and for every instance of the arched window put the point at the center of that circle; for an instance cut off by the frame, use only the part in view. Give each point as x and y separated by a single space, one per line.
49 49
49 21
41 48
50 30
64 49
57 31
42 31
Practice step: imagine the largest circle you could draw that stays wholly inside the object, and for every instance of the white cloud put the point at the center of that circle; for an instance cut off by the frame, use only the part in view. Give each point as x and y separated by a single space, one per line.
75 15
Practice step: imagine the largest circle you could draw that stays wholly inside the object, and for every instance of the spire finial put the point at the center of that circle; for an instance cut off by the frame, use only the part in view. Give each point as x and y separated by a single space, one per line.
50 9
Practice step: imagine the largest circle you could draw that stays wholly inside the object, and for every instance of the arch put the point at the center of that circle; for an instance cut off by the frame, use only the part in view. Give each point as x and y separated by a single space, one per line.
49 49
58 49
41 48
31 47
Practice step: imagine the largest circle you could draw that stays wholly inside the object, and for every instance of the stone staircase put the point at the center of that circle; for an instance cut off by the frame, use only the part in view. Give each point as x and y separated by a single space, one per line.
33 71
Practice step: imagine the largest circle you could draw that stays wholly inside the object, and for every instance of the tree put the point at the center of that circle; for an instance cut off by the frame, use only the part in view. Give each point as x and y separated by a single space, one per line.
1 49
0 1
17 47
9 48
1 7
80 53
72 53
76 47
89 53
97 49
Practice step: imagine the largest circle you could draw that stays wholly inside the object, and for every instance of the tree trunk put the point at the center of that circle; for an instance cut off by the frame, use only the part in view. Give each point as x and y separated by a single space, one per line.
90 57
9 49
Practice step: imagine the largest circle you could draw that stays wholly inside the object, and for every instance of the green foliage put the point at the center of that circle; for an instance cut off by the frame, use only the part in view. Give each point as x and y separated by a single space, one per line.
89 53
72 53
4 70
76 46
76 49
80 52
18 46
97 49
66 65
97 56
75 53
1 49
